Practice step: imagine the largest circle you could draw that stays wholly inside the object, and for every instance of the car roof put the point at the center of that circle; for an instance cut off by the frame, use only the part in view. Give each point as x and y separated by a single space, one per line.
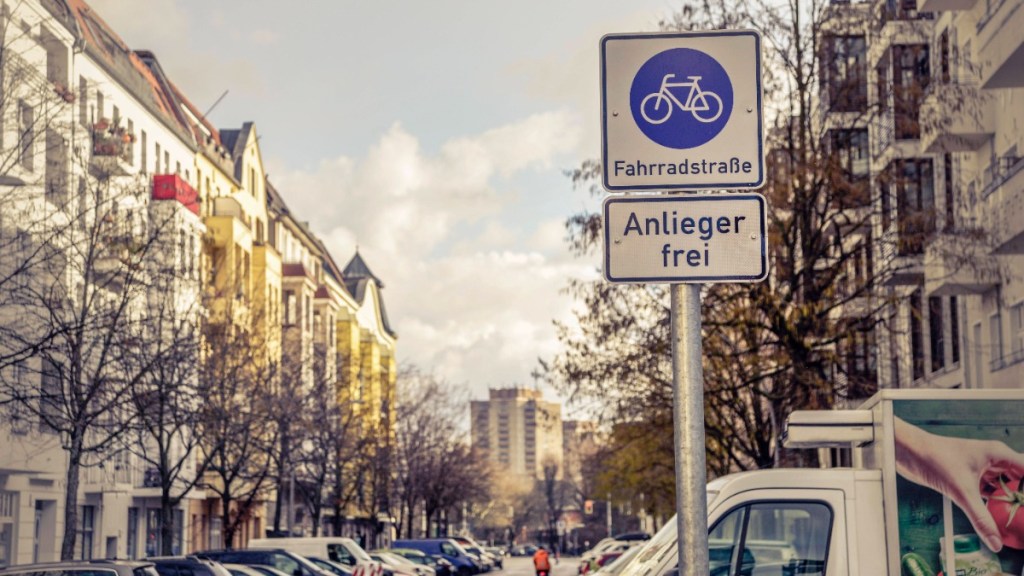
119 566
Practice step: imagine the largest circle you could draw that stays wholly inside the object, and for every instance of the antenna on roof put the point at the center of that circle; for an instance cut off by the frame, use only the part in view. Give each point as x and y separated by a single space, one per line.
207 113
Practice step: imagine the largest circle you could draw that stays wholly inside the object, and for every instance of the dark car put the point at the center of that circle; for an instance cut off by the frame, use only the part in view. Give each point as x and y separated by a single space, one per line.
285 561
441 566
84 568
336 568
632 537
187 566
449 549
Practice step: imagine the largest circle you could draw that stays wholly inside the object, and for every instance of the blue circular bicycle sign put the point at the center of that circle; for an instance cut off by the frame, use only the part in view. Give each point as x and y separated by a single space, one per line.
681 98
681 111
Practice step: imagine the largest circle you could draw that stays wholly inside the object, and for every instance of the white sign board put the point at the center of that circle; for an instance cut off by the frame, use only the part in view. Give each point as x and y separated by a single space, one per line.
685 238
681 111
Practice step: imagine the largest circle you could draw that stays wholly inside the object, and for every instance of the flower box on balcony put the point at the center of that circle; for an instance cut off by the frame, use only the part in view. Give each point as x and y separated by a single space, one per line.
111 139
64 92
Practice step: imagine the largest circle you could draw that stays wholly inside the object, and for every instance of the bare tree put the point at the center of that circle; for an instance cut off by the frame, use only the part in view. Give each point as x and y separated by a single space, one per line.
436 471
329 453
167 402
236 424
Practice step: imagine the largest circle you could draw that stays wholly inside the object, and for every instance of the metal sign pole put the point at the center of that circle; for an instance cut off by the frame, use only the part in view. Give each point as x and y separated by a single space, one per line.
688 425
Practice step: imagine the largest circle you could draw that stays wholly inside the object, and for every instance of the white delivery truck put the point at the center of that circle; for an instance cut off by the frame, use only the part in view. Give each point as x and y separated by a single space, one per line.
333 548
935 487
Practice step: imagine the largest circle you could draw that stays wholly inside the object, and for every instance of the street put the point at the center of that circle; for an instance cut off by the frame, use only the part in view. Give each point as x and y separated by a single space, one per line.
523 566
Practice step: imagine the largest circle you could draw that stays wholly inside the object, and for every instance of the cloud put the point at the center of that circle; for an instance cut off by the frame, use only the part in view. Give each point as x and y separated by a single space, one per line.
164 23
471 292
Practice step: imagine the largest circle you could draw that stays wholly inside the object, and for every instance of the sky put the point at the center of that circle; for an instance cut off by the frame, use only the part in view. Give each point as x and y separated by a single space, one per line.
434 135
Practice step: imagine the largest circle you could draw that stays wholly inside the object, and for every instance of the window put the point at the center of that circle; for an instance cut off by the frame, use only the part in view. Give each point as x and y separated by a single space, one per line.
130 152
144 159
849 163
26 134
83 101
56 178
791 537
290 303
1017 332
936 333
950 197
954 330
215 540
979 374
167 162
995 337
132 535
100 107
910 80
844 74
916 335
85 533
156 159
944 67
915 204
50 397
285 564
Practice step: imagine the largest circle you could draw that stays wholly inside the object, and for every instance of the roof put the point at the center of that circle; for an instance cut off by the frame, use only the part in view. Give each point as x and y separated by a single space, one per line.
358 287
105 47
357 268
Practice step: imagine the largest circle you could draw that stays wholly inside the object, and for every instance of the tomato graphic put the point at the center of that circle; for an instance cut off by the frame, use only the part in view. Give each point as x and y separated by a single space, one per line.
1004 503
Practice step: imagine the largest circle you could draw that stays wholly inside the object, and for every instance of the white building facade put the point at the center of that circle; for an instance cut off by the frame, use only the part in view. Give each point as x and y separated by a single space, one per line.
99 153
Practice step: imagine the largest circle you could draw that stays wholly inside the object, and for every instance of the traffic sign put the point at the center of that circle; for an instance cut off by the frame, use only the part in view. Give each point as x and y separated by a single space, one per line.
685 238
681 111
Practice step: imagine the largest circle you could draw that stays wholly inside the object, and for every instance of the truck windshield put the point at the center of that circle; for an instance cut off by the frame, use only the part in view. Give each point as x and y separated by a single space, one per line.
653 552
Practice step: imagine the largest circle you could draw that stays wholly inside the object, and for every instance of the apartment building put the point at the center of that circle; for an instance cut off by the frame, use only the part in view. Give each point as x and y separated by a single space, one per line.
519 431
120 195
105 161
921 103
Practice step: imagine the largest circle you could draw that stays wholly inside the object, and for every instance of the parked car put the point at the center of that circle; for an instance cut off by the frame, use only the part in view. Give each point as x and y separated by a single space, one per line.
419 568
261 570
288 562
490 560
441 566
614 567
606 546
243 570
334 548
187 566
84 568
392 566
461 561
524 550
336 568
632 537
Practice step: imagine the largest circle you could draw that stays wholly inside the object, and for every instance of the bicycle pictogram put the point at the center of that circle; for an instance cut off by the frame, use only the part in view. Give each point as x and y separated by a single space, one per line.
704 105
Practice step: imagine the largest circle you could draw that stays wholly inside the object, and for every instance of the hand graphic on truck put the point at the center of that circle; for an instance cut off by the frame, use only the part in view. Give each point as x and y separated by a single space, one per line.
984 478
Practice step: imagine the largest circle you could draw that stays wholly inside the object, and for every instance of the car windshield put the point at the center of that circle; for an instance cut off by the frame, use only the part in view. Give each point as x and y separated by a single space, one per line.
620 563
395 558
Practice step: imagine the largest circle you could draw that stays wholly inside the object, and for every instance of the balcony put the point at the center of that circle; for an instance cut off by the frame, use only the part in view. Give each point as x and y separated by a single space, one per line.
1001 45
173 187
1004 201
111 149
118 256
956 118
958 264
228 225
899 22
944 5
